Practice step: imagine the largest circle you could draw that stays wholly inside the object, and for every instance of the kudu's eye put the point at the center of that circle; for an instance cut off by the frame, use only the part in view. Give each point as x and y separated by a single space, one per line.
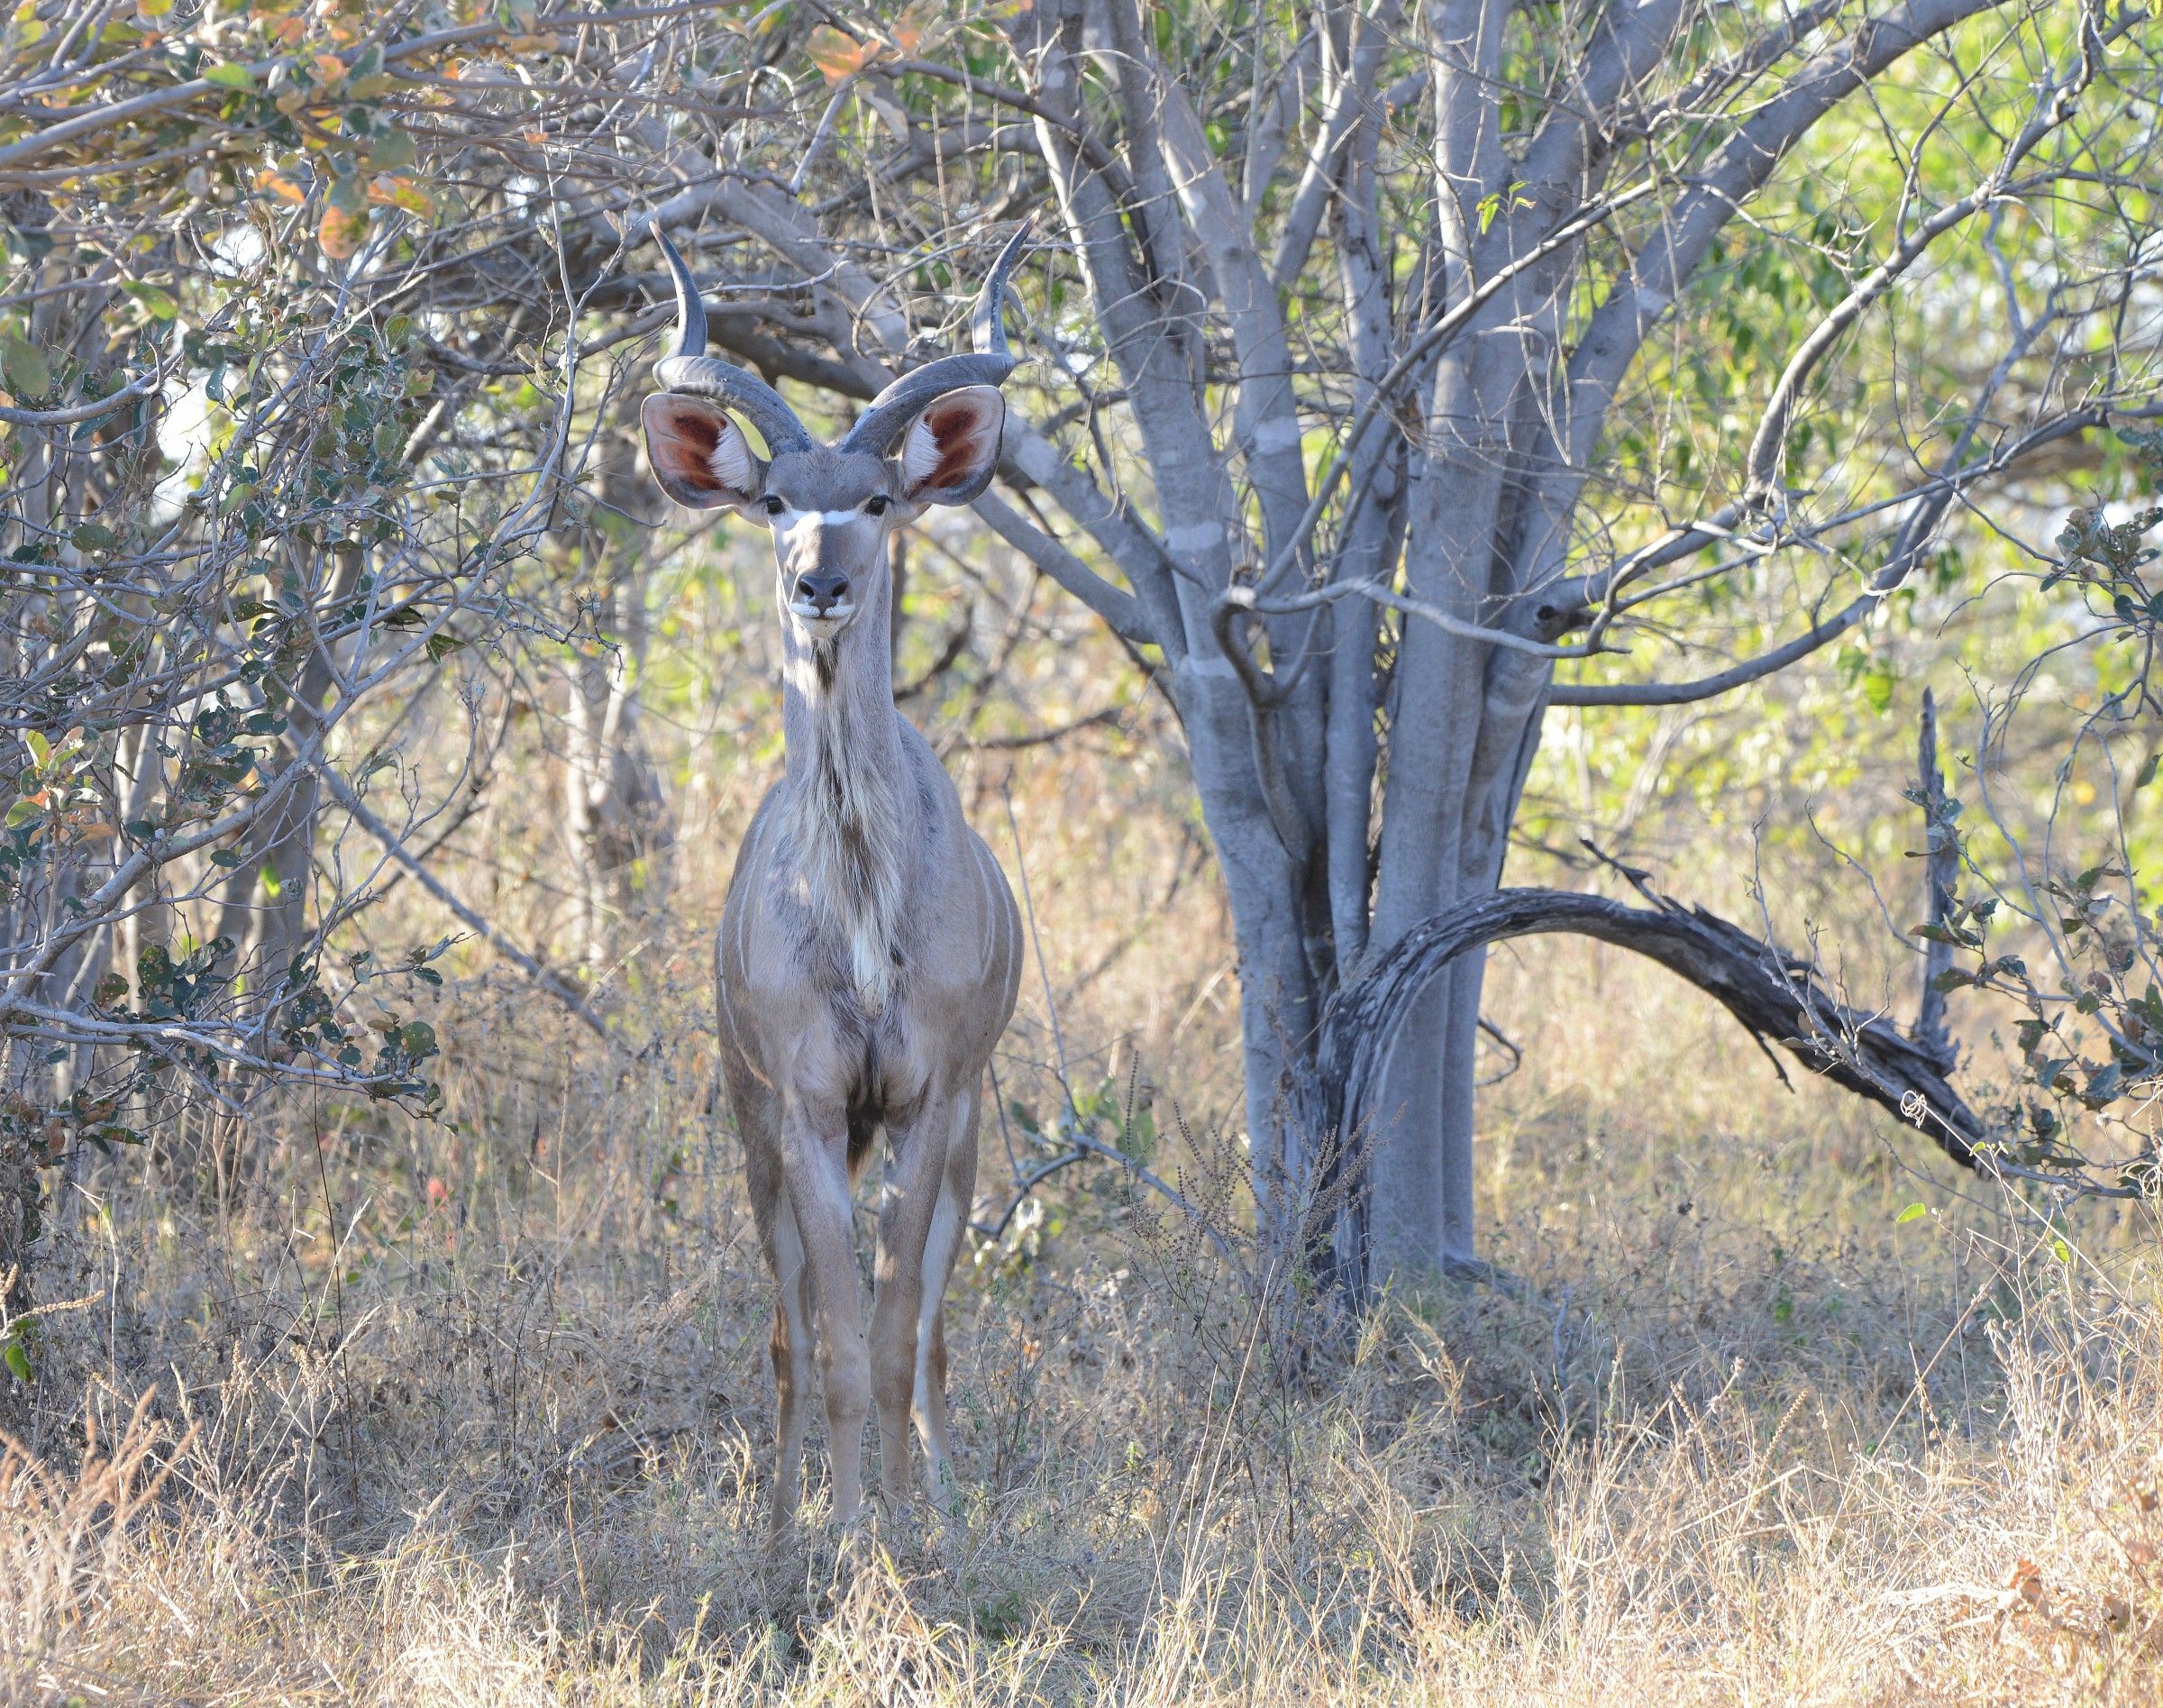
774 507
875 505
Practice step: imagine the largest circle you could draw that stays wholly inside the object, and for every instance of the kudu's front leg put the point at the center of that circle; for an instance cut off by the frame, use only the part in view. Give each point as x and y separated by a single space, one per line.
817 1170
791 1351
920 1214
791 1342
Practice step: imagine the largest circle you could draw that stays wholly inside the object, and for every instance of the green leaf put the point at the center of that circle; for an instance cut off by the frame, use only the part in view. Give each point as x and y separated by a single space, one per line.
391 152
25 368
2061 1251
1878 686
160 304
94 536
230 76
1913 1212
21 813
2148 770
347 195
15 1357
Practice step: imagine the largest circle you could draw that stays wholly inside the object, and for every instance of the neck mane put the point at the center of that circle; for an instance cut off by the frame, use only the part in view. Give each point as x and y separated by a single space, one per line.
849 810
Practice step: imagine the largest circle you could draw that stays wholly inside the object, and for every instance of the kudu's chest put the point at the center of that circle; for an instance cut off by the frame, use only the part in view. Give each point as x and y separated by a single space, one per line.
864 946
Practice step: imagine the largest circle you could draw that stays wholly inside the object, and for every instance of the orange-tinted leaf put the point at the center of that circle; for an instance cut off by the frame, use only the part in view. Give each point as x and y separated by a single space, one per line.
341 232
270 183
329 68
910 27
397 190
835 55
2026 1581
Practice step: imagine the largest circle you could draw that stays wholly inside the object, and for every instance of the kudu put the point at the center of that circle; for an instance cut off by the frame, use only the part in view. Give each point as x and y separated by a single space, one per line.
870 948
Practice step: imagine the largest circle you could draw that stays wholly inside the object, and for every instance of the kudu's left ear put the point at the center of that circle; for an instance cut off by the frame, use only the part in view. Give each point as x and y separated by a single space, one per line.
950 452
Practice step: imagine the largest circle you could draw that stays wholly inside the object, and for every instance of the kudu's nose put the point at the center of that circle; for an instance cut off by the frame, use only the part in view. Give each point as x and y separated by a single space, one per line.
822 589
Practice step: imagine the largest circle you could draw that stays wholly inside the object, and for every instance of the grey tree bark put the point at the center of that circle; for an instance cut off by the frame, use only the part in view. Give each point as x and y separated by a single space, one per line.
618 829
1362 651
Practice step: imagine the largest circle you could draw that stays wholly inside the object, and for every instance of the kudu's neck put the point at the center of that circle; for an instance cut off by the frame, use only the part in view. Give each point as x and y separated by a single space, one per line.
850 807
838 698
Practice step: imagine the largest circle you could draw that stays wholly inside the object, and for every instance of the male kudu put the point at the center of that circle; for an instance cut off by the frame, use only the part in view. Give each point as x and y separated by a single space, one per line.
870 949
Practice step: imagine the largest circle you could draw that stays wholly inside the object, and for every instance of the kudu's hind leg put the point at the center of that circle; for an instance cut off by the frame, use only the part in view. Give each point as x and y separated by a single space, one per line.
957 1191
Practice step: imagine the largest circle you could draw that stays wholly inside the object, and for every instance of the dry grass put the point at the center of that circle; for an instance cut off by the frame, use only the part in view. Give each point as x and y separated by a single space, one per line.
478 1414
359 1409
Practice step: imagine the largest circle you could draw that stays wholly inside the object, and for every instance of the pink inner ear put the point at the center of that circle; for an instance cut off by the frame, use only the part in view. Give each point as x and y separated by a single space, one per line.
683 437
961 432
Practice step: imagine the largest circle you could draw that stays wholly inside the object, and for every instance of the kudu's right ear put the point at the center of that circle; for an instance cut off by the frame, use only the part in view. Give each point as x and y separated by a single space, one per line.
701 457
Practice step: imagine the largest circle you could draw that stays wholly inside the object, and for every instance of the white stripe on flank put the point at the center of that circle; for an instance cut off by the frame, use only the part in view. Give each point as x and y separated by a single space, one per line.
989 893
749 861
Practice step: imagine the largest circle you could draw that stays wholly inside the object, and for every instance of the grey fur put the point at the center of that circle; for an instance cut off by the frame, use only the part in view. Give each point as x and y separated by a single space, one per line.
870 949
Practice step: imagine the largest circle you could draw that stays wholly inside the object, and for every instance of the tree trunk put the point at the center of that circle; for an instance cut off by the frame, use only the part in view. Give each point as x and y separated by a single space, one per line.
1277 1010
617 820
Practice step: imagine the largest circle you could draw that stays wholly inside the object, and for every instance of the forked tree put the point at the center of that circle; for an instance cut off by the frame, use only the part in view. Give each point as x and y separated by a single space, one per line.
1412 361
1424 354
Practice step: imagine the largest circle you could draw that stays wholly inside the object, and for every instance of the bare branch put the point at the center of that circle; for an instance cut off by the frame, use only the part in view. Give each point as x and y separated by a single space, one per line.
393 845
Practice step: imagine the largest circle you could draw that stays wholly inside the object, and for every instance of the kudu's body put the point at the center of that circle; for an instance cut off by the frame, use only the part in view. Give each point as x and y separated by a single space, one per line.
870 949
